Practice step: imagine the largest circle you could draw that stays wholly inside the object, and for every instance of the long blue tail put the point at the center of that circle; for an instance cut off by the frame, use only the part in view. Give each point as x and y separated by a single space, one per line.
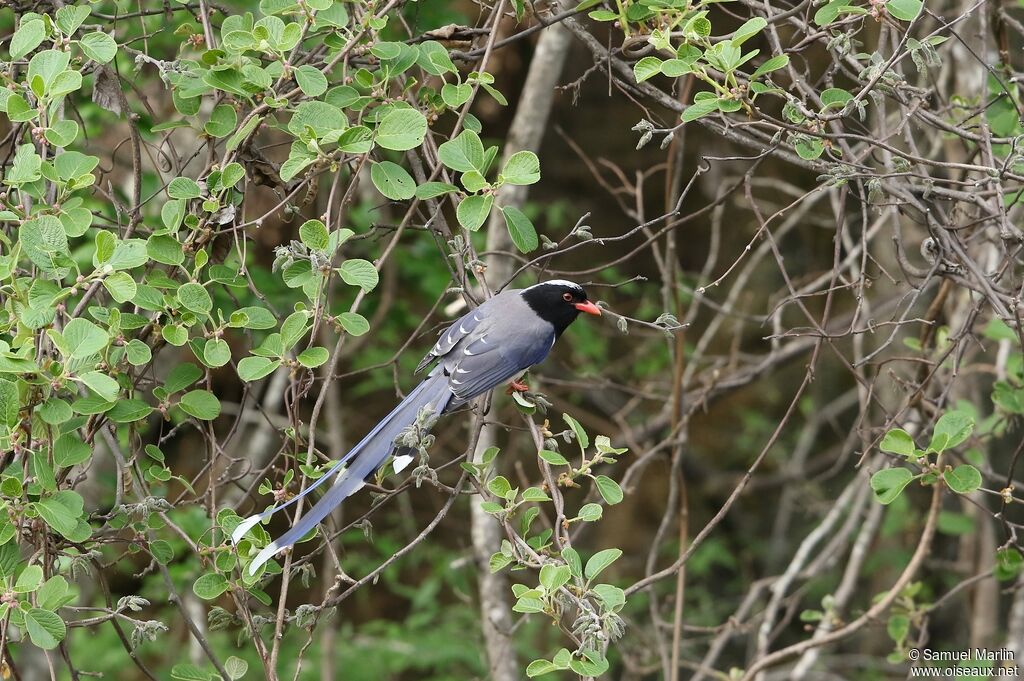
363 459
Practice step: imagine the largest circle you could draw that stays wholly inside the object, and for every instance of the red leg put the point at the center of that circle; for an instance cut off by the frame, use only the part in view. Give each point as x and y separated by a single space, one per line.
516 387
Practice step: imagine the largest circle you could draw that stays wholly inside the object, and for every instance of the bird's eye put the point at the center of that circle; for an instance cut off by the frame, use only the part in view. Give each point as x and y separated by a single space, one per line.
567 297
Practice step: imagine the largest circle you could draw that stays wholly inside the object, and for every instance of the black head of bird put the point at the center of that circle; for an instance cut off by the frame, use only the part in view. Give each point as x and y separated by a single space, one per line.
559 302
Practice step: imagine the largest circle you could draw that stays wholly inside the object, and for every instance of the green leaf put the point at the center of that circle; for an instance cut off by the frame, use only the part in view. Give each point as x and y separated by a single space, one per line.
195 298
43 472
190 672
898 441
578 431
591 512
231 175
30 579
830 12
53 594
254 318
535 494
472 211
69 450
10 403
572 559
539 668
65 83
172 213
46 629
673 68
121 286
464 153
889 483
646 68
28 37
354 323
311 81
1009 563
522 168
609 489
474 182
217 352
235 666
498 561
809 148
963 479
612 597
222 121
162 551
128 254
175 334
314 234
313 357
184 188
553 577
70 17
356 140
138 353
748 30
402 129
361 273
210 586
702 107
101 384
128 411
294 328
255 368
588 668
91 405
774 64
456 95
392 181
201 404
55 411
243 132
835 98
523 234
952 429
165 249
98 46
61 511
46 244
62 133
83 338
599 561
434 58
553 458
432 190
499 486
905 10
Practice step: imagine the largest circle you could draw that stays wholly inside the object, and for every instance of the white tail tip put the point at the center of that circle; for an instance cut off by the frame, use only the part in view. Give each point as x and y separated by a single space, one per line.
244 527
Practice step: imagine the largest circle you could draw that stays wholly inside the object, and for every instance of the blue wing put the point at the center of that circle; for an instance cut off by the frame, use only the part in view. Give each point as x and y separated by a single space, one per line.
455 333
489 360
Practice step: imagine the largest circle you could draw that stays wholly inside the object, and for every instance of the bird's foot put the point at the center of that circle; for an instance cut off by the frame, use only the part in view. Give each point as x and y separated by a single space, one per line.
516 387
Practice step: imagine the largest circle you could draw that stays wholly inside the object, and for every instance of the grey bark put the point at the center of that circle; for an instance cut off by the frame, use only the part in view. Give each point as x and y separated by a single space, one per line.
526 133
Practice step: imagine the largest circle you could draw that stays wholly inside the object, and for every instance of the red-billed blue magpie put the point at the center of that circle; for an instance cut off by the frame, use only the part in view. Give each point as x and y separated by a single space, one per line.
488 346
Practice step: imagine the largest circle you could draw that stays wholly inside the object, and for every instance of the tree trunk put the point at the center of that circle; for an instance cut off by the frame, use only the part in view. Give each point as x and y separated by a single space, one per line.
526 133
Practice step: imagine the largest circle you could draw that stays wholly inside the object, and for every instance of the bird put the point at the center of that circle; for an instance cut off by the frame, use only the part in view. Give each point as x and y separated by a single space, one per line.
490 345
